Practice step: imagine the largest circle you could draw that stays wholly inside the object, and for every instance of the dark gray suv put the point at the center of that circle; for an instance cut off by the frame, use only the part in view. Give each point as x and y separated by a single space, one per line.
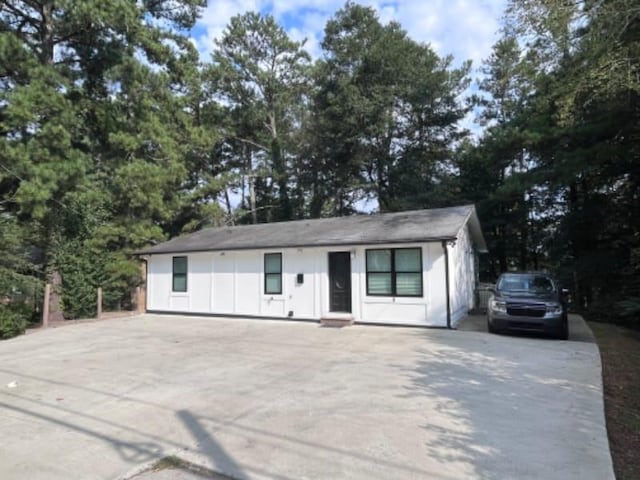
528 301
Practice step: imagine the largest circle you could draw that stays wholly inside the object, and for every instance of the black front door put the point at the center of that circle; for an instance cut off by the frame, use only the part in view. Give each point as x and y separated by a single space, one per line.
340 282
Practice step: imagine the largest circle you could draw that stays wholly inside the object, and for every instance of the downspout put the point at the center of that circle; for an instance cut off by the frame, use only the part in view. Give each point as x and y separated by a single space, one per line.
446 276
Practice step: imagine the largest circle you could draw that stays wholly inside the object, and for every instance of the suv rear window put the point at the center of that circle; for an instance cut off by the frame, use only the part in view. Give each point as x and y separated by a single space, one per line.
526 283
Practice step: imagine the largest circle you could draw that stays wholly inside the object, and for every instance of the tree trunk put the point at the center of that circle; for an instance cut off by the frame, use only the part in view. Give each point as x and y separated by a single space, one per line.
47 34
524 236
281 180
227 202
574 237
252 185
317 198
252 199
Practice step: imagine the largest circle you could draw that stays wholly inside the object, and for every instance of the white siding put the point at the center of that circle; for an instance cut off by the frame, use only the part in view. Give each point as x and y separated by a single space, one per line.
462 267
223 284
248 286
396 310
233 283
159 282
437 292
301 296
199 282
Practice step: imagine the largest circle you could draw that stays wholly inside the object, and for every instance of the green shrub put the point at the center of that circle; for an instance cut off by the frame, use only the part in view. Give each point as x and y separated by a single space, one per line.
630 311
80 271
12 322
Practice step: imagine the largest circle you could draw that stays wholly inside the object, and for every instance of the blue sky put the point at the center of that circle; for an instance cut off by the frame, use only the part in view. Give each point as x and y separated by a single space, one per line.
465 29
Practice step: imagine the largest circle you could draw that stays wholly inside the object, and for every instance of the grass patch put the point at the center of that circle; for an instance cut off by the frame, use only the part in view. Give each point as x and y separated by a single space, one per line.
620 351
169 462
176 463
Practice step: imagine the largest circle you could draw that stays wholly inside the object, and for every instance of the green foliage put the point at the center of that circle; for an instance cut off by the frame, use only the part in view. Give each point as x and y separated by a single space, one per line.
384 116
114 135
555 175
20 289
630 308
13 322
80 272
263 76
94 140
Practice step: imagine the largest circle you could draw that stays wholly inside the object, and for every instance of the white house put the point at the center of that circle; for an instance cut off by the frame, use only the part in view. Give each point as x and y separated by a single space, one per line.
408 268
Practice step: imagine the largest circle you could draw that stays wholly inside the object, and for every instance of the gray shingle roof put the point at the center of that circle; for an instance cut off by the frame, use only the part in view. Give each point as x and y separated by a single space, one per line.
402 227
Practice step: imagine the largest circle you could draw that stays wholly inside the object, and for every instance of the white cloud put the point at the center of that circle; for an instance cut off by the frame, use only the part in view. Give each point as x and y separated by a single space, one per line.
312 41
465 29
215 18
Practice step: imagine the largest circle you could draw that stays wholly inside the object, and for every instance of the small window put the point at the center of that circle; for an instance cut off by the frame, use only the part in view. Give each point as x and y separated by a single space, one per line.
273 273
379 273
179 274
408 272
394 272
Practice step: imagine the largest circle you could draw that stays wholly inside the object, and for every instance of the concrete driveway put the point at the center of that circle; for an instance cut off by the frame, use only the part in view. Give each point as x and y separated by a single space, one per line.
579 331
287 400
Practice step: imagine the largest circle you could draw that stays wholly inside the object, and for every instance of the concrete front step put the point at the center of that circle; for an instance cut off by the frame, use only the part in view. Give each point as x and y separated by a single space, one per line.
337 320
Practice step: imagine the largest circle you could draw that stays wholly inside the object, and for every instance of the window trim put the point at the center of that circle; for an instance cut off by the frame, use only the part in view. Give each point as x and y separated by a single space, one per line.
393 272
266 275
174 274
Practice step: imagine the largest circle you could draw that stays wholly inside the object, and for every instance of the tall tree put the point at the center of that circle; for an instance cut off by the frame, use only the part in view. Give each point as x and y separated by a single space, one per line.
87 104
577 125
386 114
263 77
507 203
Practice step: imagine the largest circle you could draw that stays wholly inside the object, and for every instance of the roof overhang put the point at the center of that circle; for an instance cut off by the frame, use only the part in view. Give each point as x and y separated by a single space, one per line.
476 232
407 227
145 253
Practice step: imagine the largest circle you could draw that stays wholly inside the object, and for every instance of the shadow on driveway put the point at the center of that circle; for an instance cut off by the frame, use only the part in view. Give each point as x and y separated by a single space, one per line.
288 401
130 452
523 408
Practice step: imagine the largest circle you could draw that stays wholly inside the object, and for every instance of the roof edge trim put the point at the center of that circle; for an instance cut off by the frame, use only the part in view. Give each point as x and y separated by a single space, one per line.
141 253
